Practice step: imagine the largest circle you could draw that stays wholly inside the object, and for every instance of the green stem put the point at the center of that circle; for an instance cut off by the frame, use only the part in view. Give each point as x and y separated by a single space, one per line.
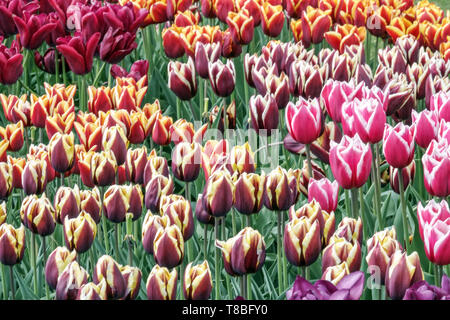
4 281
97 77
116 241
205 242
354 193
233 222
104 225
216 259
403 203
181 280
279 254
361 204
33 262
347 203
44 254
63 60
308 157
11 279
56 66
376 182
285 277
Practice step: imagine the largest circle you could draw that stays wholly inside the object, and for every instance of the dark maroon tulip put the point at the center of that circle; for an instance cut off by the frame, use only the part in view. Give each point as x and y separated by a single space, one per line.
38 215
278 192
34 177
133 277
306 80
179 212
47 62
250 192
108 270
33 29
116 45
155 189
56 263
264 113
155 165
70 281
201 213
151 225
182 80
116 203
230 47
135 164
162 284
186 160
197 282
136 200
168 246
79 232
204 55
218 194
66 203
10 63
408 176
410 47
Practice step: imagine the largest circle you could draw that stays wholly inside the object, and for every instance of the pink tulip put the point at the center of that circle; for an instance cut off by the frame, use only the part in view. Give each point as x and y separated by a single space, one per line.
444 131
304 120
398 145
324 192
440 104
436 168
369 119
348 119
425 126
434 228
350 162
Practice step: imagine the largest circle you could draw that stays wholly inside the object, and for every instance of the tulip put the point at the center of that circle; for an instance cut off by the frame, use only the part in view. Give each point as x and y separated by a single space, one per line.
150 227
135 164
402 272
40 152
398 145
5 180
241 26
183 131
14 134
197 281
336 273
132 276
58 260
33 29
244 253
10 63
242 159
345 35
67 203
168 246
161 129
201 213
324 192
407 174
79 232
70 281
138 70
186 159
425 126
17 110
272 18
264 113
61 151
34 177
329 227
350 229
312 26
182 80
333 96
91 291
369 120
116 203
312 211
180 214
128 95
115 140
155 189
38 215
222 77
204 55
302 241
155 165
278 192
341 250
116 45
249 193
172 42
218 194
440 104
12 244
305 79
2 213
380 248
102 169
108 270
162 284
304 113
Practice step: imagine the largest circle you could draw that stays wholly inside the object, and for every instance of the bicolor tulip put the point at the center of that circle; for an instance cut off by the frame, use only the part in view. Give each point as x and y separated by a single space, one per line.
201 213
341 250
219 193
264 113
156 188
369 119
304 120
278 192
241 25
61 151
161 129
133 277
440 104
135 164
151 225
272 19
186 160
182 80
398 145
14 134
222 77
197 281
80 232
70 281
12 244
168 246
425 126
34 177
205 54
67 203
179 212
6 180
116 203
38 215
57 261
350 229
108 270
91 291
102 168
324 192
162 284
249 192
115 140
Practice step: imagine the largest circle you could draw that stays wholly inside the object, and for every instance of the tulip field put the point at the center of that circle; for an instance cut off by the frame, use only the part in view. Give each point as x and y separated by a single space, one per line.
224 150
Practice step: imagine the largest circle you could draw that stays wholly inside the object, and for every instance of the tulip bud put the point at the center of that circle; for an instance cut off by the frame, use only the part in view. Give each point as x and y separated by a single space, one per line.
197 282
222 77
162 284
241 26
341 250
242 159
67 203
56 263
61 151
38 215
334 274
278 192
302 241
201 213
231 48
150 227
12 244
70 281
408 176
116 203
34 177
186 159
218 195
172 43
304 177
402 272
306 80
204 55
91 291
329 227
304 113
155 165
350 162
136 199
2 213
168 246
264 114
135 164
132 276
161 130
115 140
425 127
370 118
156 188
108 270
180 214
440 104
350 229
244 253
103 168
79 232
398 145
90 202
5 180
17 165
14 134
324 192
272 18
182 80
249 193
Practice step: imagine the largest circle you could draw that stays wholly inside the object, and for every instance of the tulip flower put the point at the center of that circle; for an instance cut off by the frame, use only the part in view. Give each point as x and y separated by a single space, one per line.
115 140
135 164
14 134
2 212
305 79
249 193
41 152
312 26
304 113
409 47
369 120
183 131
324 192
162 284
242 159
138 70
201 213
345 35
12 244
10 63
264 113
186 160
425 126
34 177
102 167
272 18
70 281
168 246
33 29
402 271
156 188
155 165
67 203
151 225
197 281
244 253
444 131
341 250
222 77
440 104
58 260
133 277
218 194
336 273
180 214
161 129
312 211
182 80
350 162
38 215
398 145
204 55
116 45
334 94
302 241
91 291
80 232
108 270
407 173
116 203
5 180
90 135
278 192
350 229
241 26
61 151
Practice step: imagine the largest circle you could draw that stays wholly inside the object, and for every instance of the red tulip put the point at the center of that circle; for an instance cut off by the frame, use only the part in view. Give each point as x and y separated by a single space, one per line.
33 29
116 45
10 63
182 80
440 104
398 145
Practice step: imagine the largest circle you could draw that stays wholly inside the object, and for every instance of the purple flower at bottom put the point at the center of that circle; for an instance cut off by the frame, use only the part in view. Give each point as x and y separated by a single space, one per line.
422 290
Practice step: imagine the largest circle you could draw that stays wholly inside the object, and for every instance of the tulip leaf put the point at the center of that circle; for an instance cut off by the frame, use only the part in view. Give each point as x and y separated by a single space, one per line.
24 285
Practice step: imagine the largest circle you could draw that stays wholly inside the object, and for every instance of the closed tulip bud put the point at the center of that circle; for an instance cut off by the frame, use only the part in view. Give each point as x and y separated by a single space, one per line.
133 277
14 134
116 203
168 247
34 177
150 227
369 120
440 104
182 80
108 270
90 202
91 291
136 198
400 96
392 58
242 159
398 145
67 203
334 274
17 165
304 177
186 160
278 192
161 129
249 193
408 176
115 140
306 79
340 250
156 188
218 195
264 113
329 227
162 284
345 35
272 18
5 180
103 168
311 211
100 99
155 165
179 212
12 244
201 213
58 260
350 162
302 241
80 232
172 42
231 48
324 192
197 281
304 113
434 230
350 229
402 272
70 281
334 94
409 46
380 248
425 126
241 26
222 77
38 215
244 253
204 55
61 151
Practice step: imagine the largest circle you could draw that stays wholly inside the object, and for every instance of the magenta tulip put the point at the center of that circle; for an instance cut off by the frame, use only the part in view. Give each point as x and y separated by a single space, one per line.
436 168
304 120
369 118
324 192
398 145
440 104
425 126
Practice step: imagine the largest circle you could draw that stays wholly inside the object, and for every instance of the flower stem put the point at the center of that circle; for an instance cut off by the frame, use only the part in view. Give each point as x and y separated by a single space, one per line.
308 157
347 203
285 277
205 242
11 279
5 288
44 254
403 203
279 255
104 226
354 193
216 258
181 280
33 262
376 181
116 241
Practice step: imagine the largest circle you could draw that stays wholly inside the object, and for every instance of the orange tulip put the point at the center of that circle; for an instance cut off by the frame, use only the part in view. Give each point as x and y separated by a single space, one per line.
344 36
